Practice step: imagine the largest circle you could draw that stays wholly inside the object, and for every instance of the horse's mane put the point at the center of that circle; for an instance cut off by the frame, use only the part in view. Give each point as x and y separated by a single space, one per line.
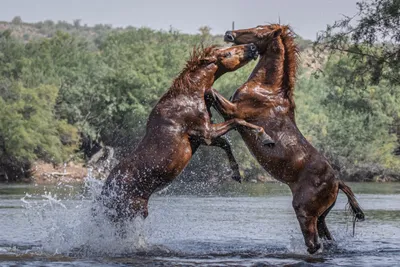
291 62
198 59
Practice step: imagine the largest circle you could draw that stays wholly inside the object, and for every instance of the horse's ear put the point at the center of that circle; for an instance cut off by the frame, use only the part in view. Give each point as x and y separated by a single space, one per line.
277 32
208 59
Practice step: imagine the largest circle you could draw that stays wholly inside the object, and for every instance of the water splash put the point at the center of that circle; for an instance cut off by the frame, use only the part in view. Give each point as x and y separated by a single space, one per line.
79 227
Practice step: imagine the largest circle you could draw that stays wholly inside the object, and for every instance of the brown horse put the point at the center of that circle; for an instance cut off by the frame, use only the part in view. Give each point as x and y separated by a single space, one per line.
178 124
266 100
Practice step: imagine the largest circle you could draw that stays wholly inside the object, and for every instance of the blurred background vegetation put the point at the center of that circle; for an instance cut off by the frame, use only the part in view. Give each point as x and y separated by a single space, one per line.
67 89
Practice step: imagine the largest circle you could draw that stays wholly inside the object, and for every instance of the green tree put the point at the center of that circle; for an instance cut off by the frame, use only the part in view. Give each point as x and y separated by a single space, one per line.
28 128
101 82
371 41
16 20
349 121
371 38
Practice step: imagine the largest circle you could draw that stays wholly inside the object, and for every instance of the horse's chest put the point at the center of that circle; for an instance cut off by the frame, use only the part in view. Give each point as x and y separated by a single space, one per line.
198 113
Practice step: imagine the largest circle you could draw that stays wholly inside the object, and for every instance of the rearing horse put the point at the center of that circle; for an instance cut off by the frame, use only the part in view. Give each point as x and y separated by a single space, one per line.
178 124
266 100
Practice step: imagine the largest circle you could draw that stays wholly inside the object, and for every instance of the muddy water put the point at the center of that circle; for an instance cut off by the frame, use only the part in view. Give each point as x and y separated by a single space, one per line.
230 225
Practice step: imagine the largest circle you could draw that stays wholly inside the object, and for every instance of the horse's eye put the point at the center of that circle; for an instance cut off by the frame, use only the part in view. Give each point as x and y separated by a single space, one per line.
228 54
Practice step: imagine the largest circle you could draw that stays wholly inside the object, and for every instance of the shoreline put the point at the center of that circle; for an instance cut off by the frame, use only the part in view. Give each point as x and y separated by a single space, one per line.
76 172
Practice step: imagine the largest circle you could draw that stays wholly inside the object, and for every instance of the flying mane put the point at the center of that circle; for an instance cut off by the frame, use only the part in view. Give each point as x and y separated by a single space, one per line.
291 62
185 80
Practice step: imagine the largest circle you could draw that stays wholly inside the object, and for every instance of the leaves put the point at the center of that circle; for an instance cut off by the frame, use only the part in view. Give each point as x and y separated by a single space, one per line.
350 121
29 129
101 83
371 37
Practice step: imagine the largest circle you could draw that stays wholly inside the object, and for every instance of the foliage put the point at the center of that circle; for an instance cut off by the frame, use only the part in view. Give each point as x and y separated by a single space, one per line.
373 40
100 83
28 128
350 124
365 80
16 20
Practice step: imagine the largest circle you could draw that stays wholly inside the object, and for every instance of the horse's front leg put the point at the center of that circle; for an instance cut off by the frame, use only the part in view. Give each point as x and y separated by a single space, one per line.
224 107
213 131
223 143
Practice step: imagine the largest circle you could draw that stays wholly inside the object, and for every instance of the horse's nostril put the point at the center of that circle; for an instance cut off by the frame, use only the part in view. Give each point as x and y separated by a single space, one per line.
253 47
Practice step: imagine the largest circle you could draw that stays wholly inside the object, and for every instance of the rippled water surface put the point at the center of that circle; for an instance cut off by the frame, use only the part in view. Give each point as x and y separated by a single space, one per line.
232 225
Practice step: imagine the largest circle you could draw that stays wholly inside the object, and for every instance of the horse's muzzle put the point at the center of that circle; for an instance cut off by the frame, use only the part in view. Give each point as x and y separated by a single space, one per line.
269 143
229 37
251 51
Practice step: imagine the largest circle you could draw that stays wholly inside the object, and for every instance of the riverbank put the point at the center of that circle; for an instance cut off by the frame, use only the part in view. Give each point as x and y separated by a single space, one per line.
240 225
46 173
76 172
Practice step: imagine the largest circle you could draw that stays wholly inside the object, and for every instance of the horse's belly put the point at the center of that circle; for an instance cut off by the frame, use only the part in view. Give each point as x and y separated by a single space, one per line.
156 163
284 161
179 158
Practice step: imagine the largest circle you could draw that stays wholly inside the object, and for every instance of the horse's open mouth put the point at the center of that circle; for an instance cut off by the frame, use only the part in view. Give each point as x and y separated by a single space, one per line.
251 51
254 55
229 37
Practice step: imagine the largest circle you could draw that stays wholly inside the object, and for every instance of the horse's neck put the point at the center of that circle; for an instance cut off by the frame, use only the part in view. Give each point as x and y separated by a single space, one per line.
269 72
194 84
203 79
269 75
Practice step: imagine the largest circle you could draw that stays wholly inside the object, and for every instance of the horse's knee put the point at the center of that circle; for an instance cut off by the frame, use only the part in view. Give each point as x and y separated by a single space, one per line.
297 206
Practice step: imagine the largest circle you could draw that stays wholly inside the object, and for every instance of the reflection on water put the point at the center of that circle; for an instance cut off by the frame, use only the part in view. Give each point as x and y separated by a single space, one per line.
226 225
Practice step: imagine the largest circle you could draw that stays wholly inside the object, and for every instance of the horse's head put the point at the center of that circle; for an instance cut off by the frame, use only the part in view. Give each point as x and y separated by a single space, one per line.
207 64
262 36
232 58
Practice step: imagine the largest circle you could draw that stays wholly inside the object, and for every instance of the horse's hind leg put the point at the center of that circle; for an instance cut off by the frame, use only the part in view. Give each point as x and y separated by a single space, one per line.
223 143
308 225
310 202
138 206
307 212
323 230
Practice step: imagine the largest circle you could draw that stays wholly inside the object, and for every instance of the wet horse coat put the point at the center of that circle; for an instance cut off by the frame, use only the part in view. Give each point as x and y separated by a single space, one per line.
266 100
178 124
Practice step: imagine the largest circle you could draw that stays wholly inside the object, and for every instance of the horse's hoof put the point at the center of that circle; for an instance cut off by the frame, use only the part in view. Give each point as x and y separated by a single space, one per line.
314 249
237 178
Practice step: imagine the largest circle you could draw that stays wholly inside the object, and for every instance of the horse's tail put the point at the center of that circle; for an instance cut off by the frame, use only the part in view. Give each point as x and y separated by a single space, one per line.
355 207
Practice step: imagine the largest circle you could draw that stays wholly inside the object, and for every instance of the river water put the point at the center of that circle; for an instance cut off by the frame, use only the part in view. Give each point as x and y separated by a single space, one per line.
227 225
